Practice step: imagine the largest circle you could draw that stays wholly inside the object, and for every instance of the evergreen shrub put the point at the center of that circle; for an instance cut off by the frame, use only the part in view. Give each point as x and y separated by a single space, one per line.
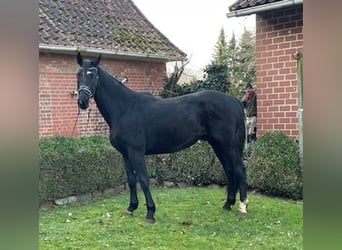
274 166
73 166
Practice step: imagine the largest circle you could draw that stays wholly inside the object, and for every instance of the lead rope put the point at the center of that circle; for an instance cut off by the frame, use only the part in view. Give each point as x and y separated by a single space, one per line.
89 109
78 114
78 109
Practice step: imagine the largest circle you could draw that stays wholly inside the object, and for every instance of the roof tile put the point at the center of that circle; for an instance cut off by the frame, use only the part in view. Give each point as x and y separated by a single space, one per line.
102 24
244 4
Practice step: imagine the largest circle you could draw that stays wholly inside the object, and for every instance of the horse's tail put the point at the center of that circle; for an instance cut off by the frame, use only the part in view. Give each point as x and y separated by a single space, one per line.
241 130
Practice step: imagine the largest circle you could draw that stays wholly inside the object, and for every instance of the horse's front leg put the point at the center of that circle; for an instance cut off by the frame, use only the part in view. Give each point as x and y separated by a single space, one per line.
137 160
132 184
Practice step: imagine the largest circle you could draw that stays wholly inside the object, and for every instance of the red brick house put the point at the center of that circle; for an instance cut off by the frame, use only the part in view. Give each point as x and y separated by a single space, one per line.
279 36
130 46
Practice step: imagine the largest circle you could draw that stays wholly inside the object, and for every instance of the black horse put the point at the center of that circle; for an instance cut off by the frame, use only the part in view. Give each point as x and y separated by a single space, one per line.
141 124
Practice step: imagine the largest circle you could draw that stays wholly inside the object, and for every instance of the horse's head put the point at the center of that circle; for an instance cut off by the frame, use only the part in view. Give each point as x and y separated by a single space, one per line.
87 79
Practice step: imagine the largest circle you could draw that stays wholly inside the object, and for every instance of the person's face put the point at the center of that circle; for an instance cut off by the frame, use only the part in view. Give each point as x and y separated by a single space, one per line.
249 91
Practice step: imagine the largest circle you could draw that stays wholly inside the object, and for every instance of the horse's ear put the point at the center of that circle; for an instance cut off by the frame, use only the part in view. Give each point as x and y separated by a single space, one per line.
97 61
79 59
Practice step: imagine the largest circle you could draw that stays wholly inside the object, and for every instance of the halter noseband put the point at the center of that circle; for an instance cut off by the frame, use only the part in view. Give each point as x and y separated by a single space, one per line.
86 89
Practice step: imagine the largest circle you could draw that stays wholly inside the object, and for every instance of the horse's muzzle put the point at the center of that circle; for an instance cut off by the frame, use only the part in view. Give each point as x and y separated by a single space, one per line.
83 104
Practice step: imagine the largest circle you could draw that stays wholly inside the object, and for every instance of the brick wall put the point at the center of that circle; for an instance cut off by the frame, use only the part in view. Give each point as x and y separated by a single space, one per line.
279 35
57 78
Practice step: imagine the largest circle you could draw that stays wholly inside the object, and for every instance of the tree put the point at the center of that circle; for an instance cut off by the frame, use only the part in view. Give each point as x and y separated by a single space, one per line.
217 77
171 87
220 51
233 66
241 62
217 72
247 58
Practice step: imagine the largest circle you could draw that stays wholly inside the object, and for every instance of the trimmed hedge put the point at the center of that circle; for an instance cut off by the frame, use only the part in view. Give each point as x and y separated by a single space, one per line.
74 166
274 166
196 165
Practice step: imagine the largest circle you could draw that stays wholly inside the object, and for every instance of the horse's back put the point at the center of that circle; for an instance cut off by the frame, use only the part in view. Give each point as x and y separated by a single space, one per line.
199 107
175 123
225 106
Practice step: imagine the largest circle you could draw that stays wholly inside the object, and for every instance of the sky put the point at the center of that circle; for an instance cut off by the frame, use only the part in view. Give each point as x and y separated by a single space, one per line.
194 25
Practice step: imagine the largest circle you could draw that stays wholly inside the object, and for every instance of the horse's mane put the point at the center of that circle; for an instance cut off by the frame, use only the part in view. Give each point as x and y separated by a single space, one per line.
110 76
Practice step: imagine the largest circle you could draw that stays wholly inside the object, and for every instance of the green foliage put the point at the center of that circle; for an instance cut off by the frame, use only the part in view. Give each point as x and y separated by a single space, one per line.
216 80
196 165
171 88
71 166
220 53
247 57
233 65
232 59
239 58
274 166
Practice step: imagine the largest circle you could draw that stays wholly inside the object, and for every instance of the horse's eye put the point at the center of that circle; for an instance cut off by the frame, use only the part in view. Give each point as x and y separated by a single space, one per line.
92 73
79 71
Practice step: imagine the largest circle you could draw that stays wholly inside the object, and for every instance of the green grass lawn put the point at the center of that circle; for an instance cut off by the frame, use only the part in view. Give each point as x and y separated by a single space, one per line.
190 218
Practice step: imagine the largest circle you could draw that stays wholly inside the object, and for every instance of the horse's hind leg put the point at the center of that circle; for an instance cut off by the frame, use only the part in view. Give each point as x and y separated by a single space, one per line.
235 172
241 181
228 169
239 175
231 190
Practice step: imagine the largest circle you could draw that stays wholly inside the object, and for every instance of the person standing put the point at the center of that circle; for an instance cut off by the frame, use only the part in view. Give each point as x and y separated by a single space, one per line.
249 101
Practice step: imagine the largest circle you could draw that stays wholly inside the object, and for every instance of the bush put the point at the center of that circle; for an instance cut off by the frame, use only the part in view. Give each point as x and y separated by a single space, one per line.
274 166
216 79
72 166
196 165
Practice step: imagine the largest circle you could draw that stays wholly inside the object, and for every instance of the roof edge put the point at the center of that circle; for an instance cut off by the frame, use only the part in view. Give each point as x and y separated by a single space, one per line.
110 53
263 7
156 29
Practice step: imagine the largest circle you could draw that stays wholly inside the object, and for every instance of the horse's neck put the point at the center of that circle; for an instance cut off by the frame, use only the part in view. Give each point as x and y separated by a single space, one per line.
111 98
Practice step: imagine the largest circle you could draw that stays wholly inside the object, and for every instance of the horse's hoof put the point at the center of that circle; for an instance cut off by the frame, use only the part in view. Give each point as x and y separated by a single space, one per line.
151 221
129 212
246 202
227 207
239 212
243 207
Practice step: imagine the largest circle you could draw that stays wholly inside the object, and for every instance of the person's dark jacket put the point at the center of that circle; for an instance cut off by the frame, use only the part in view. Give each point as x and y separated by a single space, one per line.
251 105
